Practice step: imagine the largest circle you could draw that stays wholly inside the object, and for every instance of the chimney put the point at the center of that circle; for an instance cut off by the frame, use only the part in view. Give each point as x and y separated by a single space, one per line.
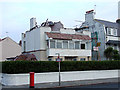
118 20
119 10
89 16
32 22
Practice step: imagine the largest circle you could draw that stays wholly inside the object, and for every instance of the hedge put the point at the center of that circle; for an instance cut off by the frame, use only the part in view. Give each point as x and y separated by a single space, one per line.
14 67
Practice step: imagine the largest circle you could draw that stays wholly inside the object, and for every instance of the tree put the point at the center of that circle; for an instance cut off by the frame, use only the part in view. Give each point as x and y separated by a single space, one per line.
111 54
108 53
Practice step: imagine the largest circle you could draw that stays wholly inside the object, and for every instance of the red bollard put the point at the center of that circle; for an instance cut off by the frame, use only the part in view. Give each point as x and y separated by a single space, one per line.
31 79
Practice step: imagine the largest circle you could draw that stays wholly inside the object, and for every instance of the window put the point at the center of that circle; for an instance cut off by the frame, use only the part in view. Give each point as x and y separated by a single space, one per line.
82 46
65 44
115 32
49 59
77 45
71 45
82 59
109 31
75 59
52 43
59 44
24 46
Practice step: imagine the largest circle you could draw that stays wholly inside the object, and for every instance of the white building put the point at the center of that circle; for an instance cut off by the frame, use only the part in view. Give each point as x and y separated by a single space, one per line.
104 32
9 49
50 38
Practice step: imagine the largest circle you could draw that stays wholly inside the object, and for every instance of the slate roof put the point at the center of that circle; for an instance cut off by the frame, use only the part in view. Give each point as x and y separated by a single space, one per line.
67 36
113 42
108 23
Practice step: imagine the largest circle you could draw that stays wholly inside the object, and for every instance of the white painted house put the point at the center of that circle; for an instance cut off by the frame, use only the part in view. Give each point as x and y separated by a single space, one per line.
9 49
103 32
50 38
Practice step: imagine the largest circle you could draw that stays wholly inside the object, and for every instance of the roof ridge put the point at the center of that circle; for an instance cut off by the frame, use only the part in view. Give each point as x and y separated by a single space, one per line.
106 21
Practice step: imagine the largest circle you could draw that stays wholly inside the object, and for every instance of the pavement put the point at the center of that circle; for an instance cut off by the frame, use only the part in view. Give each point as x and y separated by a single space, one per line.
66 84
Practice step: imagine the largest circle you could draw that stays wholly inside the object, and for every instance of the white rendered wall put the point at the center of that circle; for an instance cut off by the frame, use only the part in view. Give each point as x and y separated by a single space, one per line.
43 37
68 52
35 39
67 31
22 79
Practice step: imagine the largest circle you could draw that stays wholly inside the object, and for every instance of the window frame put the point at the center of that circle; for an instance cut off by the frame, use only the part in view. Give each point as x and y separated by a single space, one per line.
64 46
54 43
60 42
78 44
72 43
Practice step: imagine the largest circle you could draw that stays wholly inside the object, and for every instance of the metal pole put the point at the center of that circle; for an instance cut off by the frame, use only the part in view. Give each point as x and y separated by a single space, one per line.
59 74
59 68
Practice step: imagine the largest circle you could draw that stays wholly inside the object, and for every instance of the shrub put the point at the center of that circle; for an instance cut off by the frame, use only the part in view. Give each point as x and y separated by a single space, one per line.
14 67
110 54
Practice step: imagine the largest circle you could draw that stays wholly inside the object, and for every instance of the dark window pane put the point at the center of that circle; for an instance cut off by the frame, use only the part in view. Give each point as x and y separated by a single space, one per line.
82 46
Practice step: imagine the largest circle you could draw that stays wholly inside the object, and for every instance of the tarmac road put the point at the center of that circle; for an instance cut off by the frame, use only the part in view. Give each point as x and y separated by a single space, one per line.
104 86
108 84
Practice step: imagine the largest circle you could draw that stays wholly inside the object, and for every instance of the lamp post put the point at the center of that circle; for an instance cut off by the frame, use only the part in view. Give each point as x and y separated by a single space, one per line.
58 60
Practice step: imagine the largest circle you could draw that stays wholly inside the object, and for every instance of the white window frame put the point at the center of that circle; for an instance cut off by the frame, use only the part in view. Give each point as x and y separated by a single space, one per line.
73 44
109 31
59 41
78 45
67 44
50 43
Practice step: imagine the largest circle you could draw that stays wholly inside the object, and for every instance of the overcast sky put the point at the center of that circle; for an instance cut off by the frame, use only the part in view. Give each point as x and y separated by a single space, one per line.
15 14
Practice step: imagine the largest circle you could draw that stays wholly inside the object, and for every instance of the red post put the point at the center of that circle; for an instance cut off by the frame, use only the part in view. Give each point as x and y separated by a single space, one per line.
31 79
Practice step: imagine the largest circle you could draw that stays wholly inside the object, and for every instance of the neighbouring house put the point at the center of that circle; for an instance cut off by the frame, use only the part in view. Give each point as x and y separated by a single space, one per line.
50 38
104 34
9 49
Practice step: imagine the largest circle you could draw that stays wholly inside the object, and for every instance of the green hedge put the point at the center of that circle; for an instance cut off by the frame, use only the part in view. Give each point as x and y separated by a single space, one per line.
14 67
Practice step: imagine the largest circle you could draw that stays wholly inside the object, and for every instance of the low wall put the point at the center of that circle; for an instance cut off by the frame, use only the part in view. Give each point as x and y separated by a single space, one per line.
22 79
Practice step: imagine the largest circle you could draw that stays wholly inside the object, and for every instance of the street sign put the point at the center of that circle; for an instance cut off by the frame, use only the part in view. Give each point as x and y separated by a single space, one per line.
95 48
58 59
98 44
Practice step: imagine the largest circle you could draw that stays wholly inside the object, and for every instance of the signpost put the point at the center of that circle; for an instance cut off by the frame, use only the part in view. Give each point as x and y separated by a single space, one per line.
58 60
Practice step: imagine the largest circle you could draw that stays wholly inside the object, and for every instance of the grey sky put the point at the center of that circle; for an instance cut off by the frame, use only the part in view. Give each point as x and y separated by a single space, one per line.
15 14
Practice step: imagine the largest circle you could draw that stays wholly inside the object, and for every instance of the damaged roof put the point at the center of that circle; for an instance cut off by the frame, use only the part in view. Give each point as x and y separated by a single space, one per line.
67 36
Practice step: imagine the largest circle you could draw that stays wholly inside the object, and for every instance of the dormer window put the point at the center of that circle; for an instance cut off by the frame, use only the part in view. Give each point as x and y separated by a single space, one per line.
115 32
